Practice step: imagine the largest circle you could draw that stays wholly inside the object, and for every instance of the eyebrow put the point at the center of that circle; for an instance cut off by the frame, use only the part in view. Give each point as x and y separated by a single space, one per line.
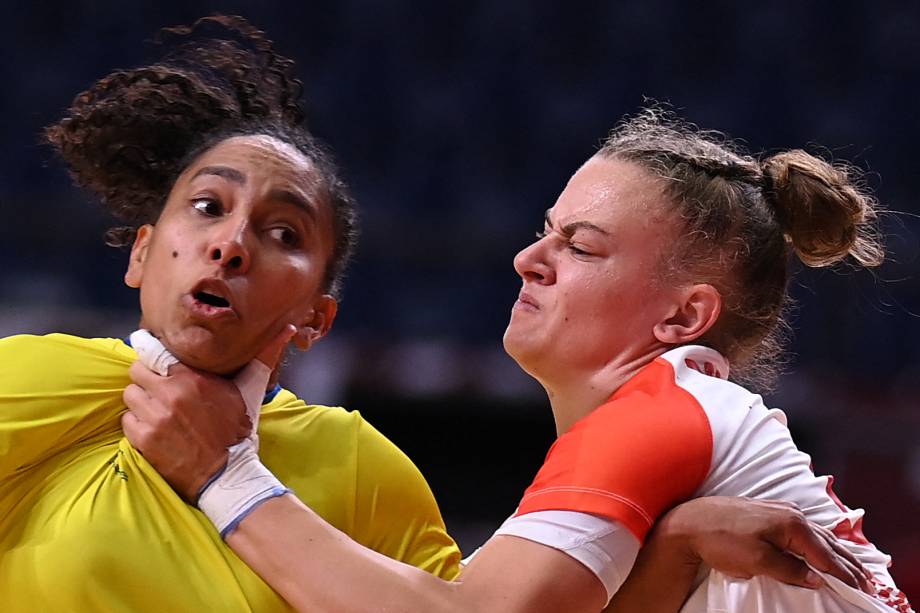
231 174
570 228
283 195
294 199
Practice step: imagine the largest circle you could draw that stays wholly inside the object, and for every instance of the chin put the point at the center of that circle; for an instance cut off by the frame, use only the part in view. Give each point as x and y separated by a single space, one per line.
519 349
200 349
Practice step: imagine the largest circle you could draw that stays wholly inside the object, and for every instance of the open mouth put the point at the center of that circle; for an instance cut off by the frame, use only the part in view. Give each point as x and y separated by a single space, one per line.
211 299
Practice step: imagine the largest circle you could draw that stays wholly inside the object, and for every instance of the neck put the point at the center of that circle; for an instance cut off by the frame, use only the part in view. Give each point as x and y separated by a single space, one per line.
578 395
226 374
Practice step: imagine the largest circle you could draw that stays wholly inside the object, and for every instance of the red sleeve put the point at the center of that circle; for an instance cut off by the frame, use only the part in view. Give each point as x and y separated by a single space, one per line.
631 459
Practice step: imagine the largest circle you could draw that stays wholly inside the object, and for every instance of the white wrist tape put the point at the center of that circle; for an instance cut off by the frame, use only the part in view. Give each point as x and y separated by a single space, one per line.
242 486
244 483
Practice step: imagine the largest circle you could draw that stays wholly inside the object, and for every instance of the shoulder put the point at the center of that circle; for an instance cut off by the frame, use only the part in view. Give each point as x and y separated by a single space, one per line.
703 373
290 418
732 412
55 361
656 415
56 391
345 434
357 479
750 440
644 450
64 342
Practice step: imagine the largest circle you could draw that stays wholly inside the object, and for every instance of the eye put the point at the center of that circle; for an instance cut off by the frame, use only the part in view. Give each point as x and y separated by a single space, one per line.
285 235
208 206
576 250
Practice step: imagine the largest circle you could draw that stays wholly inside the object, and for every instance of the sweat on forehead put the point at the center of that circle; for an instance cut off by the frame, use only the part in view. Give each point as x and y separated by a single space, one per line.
609 182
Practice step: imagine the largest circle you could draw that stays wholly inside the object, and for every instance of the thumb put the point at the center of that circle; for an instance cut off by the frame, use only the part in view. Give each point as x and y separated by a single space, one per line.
271 353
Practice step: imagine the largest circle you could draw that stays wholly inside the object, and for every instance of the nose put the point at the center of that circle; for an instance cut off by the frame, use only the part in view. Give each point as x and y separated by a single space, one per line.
228 248
531 263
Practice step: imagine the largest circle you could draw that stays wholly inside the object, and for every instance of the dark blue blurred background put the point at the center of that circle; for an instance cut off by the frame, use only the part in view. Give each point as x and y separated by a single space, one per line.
457 124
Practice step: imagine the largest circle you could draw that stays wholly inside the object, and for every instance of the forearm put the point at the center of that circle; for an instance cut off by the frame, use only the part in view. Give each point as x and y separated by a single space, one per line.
317 568
662 577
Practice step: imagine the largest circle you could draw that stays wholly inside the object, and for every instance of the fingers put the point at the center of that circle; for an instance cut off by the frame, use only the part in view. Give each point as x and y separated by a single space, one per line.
138 401
271 353
136 431
770 538
787 568
823 553
143 376
842 551
850 561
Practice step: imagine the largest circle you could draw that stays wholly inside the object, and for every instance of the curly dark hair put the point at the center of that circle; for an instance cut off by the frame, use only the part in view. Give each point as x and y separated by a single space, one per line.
129 136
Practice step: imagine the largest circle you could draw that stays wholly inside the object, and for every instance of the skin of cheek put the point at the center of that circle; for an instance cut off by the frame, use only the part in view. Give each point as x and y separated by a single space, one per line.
612 324
266 311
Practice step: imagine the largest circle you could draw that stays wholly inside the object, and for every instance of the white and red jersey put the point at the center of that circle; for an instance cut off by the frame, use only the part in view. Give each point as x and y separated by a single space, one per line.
679 430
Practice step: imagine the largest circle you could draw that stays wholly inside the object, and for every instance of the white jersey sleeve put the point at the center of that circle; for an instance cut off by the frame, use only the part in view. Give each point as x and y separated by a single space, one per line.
606 547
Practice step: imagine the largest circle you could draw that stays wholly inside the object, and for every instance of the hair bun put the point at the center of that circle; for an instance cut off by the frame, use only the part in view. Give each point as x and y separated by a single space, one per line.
821 210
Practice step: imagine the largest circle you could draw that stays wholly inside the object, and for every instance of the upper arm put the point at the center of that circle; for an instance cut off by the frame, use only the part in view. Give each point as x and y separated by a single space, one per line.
514 574
395 510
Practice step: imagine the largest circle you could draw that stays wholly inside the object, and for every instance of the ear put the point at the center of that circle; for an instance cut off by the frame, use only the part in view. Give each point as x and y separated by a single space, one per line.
135 272
323 315
694 314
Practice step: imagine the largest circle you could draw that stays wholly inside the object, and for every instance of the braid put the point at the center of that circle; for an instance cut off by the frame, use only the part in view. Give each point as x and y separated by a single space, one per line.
742 221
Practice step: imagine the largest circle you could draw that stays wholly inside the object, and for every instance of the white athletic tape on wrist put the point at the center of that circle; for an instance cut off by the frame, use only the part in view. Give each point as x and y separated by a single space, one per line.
244 483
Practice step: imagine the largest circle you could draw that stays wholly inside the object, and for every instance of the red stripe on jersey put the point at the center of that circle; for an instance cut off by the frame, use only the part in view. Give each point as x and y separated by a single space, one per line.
844 530
645 450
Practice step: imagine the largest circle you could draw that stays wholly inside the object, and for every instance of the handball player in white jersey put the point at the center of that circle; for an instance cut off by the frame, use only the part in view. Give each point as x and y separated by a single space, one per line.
654 291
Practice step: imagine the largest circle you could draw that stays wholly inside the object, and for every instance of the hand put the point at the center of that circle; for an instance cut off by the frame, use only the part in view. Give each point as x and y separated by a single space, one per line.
742 537
183 423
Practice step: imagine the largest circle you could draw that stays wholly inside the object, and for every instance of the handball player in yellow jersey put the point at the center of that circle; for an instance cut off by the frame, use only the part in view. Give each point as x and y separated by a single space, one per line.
240 228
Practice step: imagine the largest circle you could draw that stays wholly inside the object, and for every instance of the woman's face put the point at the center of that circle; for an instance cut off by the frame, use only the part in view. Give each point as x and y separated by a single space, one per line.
592 290
239 251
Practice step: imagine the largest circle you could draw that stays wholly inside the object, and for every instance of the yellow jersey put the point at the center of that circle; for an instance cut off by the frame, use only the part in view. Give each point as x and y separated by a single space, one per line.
86 524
